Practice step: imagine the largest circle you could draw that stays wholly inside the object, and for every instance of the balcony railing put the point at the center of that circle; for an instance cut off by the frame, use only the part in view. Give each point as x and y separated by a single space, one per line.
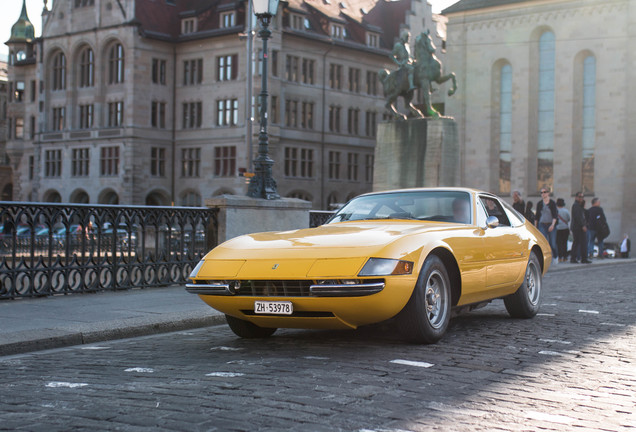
48 249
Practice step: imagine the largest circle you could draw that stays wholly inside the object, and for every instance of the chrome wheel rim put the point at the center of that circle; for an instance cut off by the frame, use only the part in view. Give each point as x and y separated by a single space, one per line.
435 299
533 283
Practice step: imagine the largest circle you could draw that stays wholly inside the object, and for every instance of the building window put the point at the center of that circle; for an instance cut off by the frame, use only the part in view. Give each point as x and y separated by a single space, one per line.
84 3
308 71
335 76
354 80
86 116
192 72
109 161
352 166
19 128
274 110
158 114
192 115
115 114
302 167
373 40
80 162
307 115
372 83
53 163
32 131
545 135
59 114
225 161
159 71
19 91
334 118
227 67
505 129
299 22
188 25
353 121
368 171
158 162
588 124
191 199
190 162
228 19
31 167
370 123
227 112
306 163
33 90
291 162
274 62
116 64
334 165
291 68
338 31
291 113
87 68
59 72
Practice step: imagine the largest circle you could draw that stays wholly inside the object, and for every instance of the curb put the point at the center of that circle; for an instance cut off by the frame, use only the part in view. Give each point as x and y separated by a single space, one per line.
26 342
606 262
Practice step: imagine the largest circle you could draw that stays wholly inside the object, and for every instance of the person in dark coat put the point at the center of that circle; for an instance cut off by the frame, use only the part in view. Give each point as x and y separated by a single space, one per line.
578 225
546 218
529 214
596 222
517 202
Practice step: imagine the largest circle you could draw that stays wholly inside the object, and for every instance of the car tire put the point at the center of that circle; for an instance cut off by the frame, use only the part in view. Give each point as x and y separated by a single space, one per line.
425 317
525 302
247 330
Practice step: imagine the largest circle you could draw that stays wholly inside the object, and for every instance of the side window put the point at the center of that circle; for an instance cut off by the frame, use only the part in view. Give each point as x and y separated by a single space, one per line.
481 214
493 208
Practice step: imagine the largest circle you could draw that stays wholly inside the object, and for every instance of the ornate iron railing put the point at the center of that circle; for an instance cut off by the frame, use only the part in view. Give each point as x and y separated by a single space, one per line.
50 249
319 217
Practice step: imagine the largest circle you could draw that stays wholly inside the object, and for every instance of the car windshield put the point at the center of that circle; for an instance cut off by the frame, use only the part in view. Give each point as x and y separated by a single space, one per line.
441 206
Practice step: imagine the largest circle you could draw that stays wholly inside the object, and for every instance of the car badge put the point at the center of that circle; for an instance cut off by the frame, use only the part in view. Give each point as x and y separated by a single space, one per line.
275 266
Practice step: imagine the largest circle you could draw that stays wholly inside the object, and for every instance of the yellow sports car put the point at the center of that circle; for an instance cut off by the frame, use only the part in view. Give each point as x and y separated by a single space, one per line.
414 255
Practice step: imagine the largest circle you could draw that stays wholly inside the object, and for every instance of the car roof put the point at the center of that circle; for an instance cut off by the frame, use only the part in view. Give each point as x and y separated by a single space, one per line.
427 189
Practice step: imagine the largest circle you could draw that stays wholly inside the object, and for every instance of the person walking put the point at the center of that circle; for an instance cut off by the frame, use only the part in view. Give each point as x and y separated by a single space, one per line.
625 246
517 202
596 224
529 214
578 225
563 230
546 218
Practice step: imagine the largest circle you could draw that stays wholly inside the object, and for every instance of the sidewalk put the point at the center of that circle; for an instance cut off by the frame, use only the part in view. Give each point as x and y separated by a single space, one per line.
52 322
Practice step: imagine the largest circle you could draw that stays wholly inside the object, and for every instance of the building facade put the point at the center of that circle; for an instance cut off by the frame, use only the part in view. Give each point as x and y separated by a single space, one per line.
156 101
545 99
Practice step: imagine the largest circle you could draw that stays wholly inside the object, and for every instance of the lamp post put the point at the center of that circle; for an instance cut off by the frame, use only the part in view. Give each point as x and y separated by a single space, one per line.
263 185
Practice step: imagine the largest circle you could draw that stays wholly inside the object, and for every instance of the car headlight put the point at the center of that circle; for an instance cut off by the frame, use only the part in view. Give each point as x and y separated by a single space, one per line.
195 270
386 267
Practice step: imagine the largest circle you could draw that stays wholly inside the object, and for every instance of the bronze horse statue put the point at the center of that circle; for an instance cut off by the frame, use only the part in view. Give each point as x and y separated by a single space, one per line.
428 69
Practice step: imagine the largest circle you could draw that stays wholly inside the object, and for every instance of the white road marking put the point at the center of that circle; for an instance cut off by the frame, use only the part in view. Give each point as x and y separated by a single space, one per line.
589 311
224 374
139 369
412 363
95 348
60 384
551 353
224 348
549 417
315 358
555 341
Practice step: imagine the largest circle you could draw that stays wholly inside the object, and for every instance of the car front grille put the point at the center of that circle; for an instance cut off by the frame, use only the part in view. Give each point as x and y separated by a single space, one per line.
288 288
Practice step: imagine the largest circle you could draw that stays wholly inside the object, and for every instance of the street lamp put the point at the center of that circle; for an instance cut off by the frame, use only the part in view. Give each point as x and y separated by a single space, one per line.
263 185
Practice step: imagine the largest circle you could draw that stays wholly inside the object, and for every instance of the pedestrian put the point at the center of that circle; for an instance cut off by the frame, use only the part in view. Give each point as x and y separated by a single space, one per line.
529 214
625 246
597 227
546 217
563 229
578 225
517 202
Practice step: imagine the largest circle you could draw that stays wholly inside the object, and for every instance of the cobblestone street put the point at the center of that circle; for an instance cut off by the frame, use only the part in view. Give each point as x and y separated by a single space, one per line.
573 367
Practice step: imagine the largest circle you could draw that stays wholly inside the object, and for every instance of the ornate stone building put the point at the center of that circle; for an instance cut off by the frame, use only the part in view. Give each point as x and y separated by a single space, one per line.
547 94
153 101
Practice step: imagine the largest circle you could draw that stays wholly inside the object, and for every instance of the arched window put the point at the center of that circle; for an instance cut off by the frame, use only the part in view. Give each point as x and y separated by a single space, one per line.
116 64
545 135
588 124
191 199
87 68
505 128
59 72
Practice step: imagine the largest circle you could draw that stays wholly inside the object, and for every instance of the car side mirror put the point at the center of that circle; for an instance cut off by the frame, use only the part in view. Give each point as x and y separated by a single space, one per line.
492 222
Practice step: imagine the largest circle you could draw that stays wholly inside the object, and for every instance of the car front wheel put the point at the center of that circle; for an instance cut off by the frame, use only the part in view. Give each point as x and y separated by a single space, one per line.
525 302
247 330
425 317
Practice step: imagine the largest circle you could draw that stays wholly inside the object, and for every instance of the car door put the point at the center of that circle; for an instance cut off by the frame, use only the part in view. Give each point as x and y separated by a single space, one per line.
503 247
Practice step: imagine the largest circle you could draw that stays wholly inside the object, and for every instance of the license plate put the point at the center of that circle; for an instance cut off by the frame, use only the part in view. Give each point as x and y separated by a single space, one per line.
273 307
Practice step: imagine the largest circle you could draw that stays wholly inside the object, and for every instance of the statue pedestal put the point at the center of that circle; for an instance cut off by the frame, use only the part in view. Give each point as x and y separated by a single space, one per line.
416 153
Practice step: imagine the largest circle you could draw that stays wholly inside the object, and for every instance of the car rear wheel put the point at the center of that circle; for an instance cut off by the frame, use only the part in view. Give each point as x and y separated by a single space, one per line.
525 302
247 330
425 317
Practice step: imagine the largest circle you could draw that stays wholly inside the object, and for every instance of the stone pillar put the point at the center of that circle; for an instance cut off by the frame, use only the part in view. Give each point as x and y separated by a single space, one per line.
416 153
240 215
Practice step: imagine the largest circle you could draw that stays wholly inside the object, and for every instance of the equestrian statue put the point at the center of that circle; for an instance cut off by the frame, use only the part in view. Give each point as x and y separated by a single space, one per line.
415 72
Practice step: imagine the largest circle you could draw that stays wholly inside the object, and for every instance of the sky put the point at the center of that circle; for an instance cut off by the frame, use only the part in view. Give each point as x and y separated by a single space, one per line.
11 12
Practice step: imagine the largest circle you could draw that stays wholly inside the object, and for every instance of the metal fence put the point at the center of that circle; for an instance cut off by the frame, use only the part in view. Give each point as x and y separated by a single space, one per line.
319 217
50 249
